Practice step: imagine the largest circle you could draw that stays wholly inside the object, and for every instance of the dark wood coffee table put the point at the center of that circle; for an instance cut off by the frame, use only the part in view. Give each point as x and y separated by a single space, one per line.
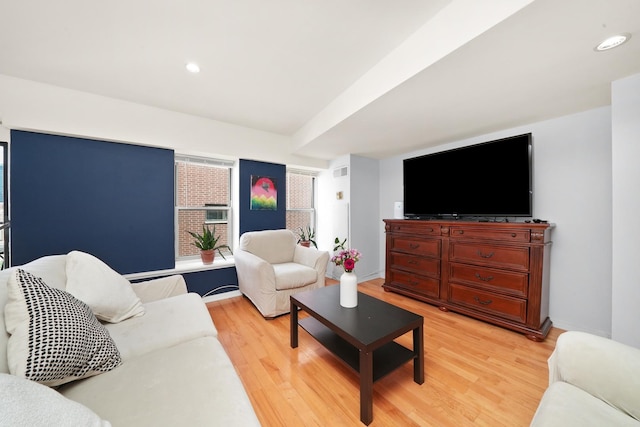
362 337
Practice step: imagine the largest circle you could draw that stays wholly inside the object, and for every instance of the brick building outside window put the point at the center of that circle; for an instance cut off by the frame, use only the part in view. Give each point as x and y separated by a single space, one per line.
301 195
202 197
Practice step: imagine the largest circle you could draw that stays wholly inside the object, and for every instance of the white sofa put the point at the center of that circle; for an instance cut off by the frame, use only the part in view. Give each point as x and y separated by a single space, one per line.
271 266
593 381
173 369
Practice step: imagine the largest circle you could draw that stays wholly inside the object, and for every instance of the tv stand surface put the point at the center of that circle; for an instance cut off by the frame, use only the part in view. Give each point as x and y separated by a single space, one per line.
473 219
497 272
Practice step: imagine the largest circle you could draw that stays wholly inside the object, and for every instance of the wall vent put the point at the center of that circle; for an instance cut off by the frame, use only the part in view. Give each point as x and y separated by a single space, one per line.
343 171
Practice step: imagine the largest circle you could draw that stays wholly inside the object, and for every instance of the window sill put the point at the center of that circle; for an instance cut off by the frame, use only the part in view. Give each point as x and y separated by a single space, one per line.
185 266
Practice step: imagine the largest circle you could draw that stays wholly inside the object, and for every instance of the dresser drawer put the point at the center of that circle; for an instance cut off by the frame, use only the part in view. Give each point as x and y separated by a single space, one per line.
516 258
420 284
500 305
420 265
424 247
510 282
502 234
422 228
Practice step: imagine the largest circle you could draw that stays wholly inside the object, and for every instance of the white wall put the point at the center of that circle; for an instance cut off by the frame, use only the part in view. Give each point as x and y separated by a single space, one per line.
626 208
333 214
572 189
364 215
28 105
355 216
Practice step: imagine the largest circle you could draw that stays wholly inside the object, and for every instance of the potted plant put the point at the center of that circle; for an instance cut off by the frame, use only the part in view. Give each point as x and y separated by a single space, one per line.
207 242
307 236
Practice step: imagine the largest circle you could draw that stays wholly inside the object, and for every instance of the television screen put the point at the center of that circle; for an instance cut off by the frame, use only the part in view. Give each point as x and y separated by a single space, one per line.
492 179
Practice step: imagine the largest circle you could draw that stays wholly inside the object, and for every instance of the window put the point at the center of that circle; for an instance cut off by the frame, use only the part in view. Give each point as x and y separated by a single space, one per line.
203 198
301 195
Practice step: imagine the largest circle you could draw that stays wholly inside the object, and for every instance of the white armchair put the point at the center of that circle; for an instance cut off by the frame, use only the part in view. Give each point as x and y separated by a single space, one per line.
593 381
271 266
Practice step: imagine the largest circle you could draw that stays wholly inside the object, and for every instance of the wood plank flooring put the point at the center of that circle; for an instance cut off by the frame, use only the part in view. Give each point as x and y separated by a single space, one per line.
476 374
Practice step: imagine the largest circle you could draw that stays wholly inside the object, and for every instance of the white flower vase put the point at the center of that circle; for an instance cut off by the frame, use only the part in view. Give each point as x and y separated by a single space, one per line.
348 289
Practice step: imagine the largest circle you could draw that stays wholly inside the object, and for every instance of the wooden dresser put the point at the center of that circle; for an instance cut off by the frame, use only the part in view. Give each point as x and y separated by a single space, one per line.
495 272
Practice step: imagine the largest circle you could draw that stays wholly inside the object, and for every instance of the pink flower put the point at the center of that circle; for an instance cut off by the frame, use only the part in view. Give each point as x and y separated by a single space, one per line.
346 258
349 264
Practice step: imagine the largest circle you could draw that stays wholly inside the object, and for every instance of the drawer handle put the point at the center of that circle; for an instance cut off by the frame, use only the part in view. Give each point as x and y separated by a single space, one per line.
513 234
414 245
479 301
412 262
414 283
489 255
484 279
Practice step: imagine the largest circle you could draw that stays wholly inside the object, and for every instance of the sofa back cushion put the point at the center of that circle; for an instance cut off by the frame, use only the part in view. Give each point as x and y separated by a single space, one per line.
51 269
109 294
273 246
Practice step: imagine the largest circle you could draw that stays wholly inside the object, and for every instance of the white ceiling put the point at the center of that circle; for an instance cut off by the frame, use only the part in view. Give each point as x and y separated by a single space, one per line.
369 77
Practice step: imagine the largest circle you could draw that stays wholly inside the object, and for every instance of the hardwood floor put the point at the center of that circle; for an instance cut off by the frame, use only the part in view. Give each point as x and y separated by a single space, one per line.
475 373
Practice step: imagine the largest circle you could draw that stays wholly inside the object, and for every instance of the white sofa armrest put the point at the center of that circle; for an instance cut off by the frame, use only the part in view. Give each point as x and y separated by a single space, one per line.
252 269
156 289
602 367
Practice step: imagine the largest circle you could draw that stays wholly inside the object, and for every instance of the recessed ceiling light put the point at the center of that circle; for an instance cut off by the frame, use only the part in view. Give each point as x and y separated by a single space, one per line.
613 41
192 67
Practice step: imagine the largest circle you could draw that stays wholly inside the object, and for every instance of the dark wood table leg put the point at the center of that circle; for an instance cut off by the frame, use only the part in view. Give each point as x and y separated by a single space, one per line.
294 325
366 387
418 349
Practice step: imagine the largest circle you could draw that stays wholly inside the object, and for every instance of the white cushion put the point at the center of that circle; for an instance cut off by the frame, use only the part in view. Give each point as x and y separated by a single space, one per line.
166 322
109 295
604 368
55 338
273 246
27 403
290 275
564 405
190 384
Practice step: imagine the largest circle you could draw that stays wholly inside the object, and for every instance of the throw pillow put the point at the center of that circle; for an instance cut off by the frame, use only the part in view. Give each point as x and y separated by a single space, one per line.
55 338
109 295
27 403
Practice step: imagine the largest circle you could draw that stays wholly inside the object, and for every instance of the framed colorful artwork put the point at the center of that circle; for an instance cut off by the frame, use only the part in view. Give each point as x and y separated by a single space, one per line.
264 193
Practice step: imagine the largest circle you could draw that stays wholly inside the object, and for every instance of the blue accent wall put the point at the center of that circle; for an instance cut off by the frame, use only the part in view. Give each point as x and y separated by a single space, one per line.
212 282
112 200
208 282
255 220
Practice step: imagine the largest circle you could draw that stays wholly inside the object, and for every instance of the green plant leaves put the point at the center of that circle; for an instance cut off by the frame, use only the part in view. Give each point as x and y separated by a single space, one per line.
208 240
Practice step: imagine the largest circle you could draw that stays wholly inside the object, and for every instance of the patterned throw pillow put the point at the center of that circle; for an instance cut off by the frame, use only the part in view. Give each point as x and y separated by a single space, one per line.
55 338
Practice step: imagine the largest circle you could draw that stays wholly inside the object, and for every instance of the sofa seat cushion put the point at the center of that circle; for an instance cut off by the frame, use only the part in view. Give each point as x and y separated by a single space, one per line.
27 403
190 384
290 275
55 338
564 405
166 322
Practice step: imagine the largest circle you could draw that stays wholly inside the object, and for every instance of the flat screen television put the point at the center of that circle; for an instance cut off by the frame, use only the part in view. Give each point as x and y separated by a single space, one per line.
492 179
